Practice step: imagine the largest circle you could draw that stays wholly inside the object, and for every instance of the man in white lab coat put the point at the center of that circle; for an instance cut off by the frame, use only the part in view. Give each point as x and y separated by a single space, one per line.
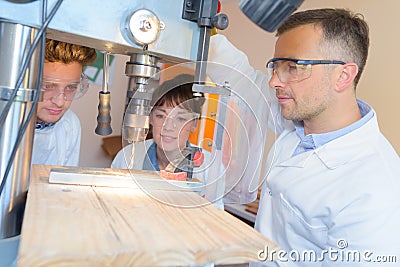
331 193
58 131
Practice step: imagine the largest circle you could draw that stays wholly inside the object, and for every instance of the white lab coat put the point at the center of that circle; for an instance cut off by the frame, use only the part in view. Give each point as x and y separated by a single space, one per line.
252 106
121 161
56 145
346 192
227 63
59 144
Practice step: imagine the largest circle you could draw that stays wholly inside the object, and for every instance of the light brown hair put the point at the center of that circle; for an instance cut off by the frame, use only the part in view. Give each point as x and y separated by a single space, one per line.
57 51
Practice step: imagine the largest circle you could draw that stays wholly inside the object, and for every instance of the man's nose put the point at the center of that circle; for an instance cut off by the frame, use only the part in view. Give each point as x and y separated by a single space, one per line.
274 81
59 99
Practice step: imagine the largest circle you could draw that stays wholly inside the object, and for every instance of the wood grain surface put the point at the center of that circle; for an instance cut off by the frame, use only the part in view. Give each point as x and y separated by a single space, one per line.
76 225
146 180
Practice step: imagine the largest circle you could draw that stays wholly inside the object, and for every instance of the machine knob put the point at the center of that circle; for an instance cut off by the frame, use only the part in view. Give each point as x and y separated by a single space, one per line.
220 21
143 27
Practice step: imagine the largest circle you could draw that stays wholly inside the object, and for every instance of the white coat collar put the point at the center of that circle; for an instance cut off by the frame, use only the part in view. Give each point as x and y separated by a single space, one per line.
337 152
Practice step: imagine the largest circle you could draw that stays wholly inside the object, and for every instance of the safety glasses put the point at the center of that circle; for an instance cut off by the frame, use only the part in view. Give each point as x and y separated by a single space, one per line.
71 89
294 70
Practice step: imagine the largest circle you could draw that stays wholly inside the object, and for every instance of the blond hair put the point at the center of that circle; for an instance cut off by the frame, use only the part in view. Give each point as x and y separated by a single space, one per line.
57 51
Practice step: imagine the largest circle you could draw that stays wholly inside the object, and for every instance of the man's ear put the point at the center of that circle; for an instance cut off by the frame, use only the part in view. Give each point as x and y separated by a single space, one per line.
348 73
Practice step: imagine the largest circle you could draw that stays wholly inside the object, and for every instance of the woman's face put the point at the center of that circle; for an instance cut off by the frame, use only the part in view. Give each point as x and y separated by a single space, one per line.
172 126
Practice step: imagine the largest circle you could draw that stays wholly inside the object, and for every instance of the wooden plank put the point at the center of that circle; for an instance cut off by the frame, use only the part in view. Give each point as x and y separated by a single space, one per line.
147 180
72 225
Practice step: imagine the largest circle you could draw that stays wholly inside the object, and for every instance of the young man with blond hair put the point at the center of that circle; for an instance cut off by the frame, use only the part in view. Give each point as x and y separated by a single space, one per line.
58 130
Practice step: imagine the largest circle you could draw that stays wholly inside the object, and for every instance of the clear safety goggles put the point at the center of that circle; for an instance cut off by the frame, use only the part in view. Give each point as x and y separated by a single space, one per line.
294 70
71 89
175 117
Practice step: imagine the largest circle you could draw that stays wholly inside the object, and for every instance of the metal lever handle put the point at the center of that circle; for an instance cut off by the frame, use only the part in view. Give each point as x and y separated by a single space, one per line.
104 107
104 117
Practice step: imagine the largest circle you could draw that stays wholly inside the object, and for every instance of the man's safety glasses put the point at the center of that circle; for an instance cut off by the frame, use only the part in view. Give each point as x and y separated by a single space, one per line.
294 70
71 89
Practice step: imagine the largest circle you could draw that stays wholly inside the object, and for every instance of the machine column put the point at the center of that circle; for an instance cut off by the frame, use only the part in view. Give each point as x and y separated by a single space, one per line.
15 42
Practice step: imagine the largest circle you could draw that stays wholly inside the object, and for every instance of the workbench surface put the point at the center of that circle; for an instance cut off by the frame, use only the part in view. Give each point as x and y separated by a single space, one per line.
76 225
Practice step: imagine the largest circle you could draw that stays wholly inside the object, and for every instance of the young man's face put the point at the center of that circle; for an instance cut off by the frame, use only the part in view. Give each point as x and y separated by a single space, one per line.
308 99
171 127
60 78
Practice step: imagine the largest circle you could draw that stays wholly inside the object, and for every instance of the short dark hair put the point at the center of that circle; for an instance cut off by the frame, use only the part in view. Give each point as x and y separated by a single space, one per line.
178 92
345 34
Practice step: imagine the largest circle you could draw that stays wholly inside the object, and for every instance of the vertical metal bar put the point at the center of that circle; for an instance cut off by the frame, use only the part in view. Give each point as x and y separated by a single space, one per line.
202 55
106 66
15 42
207 11
222 108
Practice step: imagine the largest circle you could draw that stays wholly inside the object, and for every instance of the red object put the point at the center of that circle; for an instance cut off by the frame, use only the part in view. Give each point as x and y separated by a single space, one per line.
219 7
198 159
177 176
